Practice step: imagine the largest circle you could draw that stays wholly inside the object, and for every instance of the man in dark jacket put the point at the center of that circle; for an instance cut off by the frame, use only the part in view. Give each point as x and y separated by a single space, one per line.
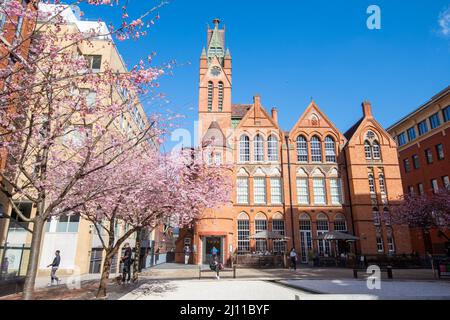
55 266
127 262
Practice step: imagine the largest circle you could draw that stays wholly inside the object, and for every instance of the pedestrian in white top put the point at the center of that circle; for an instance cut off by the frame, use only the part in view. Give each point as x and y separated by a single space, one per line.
293 257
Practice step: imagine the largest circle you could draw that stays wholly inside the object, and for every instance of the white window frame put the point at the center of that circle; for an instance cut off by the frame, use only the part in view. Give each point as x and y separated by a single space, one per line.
242 189
272 148
319 191
276 192
258 148
316 149
259 190
336 191
303 190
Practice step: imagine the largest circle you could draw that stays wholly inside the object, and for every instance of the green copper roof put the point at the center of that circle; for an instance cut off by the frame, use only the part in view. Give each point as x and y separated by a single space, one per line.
216 46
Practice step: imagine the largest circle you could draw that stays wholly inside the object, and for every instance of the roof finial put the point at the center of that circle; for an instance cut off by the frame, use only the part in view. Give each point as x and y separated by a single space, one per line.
216 23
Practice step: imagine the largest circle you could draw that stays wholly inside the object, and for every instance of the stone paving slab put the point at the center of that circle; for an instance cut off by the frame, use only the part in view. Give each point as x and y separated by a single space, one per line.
212 290
390 289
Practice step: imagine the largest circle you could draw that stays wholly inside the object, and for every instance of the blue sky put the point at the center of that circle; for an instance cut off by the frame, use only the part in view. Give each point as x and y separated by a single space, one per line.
289 51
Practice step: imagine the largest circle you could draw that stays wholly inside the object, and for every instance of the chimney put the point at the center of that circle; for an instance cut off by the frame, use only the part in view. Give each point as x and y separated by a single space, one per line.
257 104
367 109
275 115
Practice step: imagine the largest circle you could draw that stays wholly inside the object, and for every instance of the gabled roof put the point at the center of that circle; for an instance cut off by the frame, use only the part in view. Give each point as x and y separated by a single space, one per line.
240 110
214 136
350 132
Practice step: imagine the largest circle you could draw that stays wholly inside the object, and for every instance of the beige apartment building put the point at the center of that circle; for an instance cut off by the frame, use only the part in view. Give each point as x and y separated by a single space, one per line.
76 238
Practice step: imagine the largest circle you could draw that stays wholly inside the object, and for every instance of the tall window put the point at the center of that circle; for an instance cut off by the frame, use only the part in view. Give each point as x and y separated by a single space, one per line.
278 227
244 149
330 149
340 224
435 121
335 191
3 18
376 216
220 96
319 190
275 190
421 189
272 148
380 246
259 190
258 145
368 150
316 149
302 191
416 161
434 185
322 227
407 165
391 244
429 156
446 113
243 231
260 225
210 95
94 62
411 134
376 152
302 149
440 151
242 190
401 139
387 216
382 183
371 184
305 237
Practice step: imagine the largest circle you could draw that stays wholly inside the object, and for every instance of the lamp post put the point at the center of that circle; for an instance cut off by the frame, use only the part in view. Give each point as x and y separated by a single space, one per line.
290 190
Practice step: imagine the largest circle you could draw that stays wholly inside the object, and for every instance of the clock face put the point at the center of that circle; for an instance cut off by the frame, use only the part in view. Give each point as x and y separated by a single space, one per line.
215 71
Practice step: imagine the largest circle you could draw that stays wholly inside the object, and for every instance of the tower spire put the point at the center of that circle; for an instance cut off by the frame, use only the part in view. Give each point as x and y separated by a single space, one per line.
216 45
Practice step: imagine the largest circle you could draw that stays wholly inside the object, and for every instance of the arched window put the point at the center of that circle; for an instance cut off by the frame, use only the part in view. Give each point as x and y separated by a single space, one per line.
371 184
316 149
220 96
376 216
210 95
302 149
272 148
258 145
244 148
368 150
323 227
330 149
382 183
305 237
376 152
340 224
260 225
243 231
278 227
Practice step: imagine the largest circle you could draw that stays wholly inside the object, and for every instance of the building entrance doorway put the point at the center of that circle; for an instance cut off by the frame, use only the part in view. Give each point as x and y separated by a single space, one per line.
208 247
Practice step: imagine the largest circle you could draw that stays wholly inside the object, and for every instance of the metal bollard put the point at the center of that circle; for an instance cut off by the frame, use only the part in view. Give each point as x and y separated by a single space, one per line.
389 272
355 273
199 272
234 272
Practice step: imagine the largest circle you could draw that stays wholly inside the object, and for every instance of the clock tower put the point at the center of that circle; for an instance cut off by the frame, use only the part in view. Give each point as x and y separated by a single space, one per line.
215 82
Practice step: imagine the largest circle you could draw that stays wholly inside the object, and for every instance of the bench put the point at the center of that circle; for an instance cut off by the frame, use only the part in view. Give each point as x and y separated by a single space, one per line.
443 268
388 270
200 271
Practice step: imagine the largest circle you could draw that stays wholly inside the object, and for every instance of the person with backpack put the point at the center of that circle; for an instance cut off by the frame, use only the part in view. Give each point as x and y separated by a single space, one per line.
293 257
127 262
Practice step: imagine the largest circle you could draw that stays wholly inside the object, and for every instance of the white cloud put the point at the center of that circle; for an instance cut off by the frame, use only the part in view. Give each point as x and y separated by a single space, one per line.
444 22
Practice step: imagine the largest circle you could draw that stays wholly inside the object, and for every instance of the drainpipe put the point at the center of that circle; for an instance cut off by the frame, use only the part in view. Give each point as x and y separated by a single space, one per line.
349 196
290 190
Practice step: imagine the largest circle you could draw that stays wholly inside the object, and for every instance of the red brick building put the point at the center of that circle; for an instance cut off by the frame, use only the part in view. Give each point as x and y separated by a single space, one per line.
301 183
423 149
14 49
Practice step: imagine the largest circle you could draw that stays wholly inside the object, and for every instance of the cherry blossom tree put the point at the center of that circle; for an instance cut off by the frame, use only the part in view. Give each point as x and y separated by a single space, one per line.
54 137
144 189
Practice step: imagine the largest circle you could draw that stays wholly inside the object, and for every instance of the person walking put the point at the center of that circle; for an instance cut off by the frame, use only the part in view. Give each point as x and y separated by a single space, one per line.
127 261
216 266
293 257
55 265
187 253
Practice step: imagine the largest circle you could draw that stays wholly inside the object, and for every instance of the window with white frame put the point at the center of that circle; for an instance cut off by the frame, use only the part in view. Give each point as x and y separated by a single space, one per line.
376 216
278 227
242 190
275 190
371 184
258 147
335 191
259 190
330 149
319 190
217 158
210 95
305 237
380 246
323 227
316 149
434 185
68 223
368 150
391 244
340 224
220 96
243 231
302 149
272 148
382 183
260 225
302 190
376 152
387 216
94 62
244 149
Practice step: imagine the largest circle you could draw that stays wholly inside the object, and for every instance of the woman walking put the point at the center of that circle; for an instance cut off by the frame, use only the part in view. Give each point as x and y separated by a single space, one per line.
293 257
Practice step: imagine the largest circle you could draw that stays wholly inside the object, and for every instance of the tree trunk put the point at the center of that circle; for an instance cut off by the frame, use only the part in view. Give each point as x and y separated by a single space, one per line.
101 293
30 279
137 256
